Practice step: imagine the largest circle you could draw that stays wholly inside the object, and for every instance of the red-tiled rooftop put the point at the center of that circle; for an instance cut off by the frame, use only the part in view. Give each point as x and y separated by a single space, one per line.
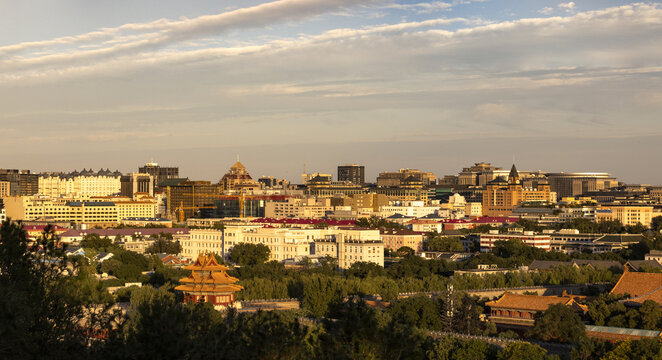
293 221
640 286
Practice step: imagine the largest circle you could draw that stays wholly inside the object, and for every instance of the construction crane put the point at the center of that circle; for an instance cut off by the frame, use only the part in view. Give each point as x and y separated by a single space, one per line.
181 208
241 198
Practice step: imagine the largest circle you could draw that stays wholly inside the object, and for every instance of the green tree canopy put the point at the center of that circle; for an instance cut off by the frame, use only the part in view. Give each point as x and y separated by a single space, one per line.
164 246
249 254
559 323
435 242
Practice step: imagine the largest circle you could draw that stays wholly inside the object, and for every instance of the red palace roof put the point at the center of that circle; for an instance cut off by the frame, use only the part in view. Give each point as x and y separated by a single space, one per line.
42 227
304 221
494 220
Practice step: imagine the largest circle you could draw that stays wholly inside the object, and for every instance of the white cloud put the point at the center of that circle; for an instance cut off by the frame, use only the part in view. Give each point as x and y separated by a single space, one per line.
546 10
422 8
165 32
561 72
567 7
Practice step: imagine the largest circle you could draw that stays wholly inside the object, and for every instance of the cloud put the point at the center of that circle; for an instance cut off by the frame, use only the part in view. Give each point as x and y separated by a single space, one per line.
546 10
464 77
161 33
567 7
422 8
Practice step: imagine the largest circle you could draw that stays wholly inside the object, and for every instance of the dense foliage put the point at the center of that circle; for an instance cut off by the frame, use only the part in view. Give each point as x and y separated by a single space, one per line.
249 254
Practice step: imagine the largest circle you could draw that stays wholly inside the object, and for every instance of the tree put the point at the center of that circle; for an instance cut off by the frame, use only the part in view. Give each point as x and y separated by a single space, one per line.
405 251
443 243
94 241
40 309
522 350
164 246
559 323
651 315
467 315
363 269
417 311
656 223
249 254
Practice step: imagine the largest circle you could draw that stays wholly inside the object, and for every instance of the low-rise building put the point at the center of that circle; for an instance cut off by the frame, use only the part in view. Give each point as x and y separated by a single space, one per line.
528 238
654 255
517 311
394 239
350 246
283 243
632 215
415 209
571 241
84 210
201 241
310 208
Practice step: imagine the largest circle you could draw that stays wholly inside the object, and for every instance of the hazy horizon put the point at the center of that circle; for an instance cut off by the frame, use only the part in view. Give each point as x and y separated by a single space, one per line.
441 158
433 85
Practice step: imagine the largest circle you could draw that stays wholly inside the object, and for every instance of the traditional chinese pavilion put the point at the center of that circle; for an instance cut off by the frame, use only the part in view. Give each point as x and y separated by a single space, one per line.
517 311
209 282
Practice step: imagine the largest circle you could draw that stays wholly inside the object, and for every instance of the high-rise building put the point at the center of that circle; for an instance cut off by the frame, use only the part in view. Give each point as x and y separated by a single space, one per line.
83 183
21 182
134 183
396 178
238 179
352 173
4 188
186 198
502 196
573 184
160 173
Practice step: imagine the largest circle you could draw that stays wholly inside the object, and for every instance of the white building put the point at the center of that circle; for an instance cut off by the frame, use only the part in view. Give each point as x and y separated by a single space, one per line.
283 243
92 184
202 241
528 238
473 209
351 246
408 208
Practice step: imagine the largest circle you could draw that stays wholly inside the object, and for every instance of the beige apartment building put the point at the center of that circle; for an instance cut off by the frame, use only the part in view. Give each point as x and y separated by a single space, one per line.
632 215
473 209
89 210
57 186
202 241
310 208
394 239
284 243
347 245
350 246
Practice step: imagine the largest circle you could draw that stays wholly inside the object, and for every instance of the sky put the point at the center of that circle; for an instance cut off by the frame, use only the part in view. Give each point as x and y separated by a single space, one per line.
436 85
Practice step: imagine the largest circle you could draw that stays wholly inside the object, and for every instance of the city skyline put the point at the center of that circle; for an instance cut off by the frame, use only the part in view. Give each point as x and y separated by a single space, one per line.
216 163
327 82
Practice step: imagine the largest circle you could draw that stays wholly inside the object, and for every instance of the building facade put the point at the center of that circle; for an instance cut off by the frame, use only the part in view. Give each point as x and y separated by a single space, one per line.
91 210
502 196
350 246
352 173
528 238
135 183
394 239
575 184
159 173
21 182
